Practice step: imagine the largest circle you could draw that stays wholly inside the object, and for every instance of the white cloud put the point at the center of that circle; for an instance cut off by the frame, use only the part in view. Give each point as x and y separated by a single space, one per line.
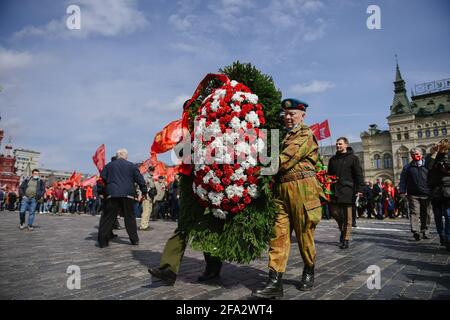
314 87
175 105
11 60
101 17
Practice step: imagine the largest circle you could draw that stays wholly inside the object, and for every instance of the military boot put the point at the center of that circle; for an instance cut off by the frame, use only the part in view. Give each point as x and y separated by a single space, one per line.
273 289
212 271
307 282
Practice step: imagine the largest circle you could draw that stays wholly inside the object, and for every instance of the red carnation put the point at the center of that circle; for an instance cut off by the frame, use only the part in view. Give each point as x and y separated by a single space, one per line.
226 181
252 179
235 199
247 200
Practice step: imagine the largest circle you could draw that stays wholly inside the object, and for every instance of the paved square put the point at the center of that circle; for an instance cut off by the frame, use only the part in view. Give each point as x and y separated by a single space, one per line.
34 264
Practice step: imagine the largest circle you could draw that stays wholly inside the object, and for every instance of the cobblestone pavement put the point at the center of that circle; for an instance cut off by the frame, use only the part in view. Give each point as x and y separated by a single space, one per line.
33 264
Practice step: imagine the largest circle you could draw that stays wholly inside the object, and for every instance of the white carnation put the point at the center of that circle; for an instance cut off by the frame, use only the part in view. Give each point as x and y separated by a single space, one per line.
218 213
219 94
252 98
216 198
252 117
253 191
235 123
233 83
235 108
237 96
232 191
215 105
202 193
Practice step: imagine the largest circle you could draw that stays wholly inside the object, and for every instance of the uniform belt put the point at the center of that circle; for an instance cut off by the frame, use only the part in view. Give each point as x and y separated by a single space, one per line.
297 176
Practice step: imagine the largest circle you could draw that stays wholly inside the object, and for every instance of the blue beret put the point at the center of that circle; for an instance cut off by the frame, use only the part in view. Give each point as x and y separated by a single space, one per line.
294 104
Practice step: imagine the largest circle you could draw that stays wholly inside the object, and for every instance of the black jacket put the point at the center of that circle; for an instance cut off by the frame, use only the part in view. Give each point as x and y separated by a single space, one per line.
119 176
40 189
414 180
439 176
347 168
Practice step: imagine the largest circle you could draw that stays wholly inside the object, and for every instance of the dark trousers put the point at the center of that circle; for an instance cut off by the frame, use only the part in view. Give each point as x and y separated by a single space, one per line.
113 207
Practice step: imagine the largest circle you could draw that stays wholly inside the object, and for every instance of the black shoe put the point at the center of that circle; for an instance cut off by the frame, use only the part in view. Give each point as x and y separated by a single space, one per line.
165 275
425 236
112 236
354 225
447 244
273 288
208 276
307 282
134 243
344 244
442 240
103 244
416 236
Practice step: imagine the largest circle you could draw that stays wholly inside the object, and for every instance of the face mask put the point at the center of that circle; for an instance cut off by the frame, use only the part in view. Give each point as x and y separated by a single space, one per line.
416 157
35 177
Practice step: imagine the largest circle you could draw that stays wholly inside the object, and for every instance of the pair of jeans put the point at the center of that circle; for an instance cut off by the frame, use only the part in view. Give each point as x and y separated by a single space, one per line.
441 211
28 204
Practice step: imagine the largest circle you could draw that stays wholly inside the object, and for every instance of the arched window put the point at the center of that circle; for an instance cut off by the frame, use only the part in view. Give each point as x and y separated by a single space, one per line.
427 133
419 134
399 136
387 161
377 161
444 131
435 132
406 135
405 160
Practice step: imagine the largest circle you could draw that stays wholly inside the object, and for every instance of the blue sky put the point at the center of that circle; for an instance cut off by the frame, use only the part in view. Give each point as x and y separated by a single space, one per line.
125 74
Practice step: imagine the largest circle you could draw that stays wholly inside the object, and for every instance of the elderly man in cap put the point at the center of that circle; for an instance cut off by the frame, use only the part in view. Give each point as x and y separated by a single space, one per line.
297 197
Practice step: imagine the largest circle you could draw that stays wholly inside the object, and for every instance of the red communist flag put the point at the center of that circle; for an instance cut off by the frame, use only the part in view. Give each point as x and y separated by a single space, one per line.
143 168
315 129
324 130
89 181
168 137
99 158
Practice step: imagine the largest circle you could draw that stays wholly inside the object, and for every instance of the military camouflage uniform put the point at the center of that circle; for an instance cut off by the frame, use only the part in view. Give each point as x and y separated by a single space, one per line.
297 194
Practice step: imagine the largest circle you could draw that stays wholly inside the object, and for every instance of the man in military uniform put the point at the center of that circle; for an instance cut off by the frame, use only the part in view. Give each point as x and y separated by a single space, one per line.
297 197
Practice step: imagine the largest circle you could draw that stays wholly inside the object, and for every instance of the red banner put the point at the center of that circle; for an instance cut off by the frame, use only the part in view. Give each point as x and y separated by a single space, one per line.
324 130
144 166
99 158
168 137
90 181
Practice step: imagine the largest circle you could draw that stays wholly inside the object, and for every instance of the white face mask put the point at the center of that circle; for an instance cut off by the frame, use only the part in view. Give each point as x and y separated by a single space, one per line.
35 177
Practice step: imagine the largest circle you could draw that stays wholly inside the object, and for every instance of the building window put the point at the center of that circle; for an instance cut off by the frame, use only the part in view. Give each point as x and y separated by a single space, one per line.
427 133
406 136
435 132
419 134
404 160
377 161
399 136
387 159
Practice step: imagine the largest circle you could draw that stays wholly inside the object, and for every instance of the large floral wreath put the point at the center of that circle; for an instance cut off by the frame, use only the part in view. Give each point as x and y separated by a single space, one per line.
231 215
226 170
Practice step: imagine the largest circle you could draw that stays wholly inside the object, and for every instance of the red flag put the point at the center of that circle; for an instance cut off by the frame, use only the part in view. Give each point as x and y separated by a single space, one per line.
315 130
144 166
168 137
99 158
324 130
89 181
171 173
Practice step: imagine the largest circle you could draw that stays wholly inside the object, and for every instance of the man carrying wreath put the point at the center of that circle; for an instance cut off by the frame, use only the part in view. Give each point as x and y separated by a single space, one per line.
297 197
